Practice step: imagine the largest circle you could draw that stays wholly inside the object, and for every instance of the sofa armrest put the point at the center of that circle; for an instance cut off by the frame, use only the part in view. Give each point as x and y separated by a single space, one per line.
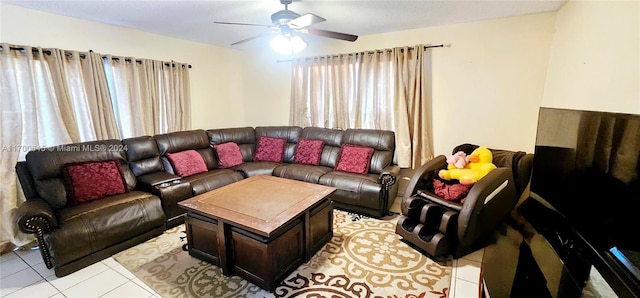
410 197
490 188
389 175
489 200
170 189
36 217
421 173
156 178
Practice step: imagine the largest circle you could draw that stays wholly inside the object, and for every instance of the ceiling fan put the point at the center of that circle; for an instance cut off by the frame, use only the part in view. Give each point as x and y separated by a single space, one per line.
287 24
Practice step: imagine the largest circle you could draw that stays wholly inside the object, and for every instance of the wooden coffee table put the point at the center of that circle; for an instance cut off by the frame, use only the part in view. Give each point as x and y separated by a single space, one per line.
260 228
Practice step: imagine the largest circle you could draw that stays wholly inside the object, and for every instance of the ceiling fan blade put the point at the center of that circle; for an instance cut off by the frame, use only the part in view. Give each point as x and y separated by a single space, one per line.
305 21
243 24
251 38
330 34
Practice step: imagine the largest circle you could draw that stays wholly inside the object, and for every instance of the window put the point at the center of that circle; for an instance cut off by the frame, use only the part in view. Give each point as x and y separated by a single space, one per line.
380 89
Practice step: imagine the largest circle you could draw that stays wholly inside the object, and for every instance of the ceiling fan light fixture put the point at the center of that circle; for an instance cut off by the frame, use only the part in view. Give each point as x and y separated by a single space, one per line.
287 44
286 23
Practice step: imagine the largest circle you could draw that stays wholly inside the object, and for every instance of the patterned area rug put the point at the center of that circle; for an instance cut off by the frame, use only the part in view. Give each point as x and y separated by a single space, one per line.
364 259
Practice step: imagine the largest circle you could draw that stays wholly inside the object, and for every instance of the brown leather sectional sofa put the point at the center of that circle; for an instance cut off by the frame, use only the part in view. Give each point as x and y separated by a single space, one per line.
74 236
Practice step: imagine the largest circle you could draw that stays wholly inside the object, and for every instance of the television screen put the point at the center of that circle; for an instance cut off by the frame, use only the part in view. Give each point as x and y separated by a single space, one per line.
586 167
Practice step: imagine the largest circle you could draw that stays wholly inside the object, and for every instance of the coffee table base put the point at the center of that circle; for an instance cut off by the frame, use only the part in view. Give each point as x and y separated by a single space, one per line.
264 261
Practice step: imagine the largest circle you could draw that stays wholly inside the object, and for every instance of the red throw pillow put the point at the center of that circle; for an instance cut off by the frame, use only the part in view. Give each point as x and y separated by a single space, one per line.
354 159
270 149
88 181
308 152
229 155
187 163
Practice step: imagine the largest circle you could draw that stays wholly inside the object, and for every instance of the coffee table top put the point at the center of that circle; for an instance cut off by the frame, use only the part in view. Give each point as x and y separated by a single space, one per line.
261 203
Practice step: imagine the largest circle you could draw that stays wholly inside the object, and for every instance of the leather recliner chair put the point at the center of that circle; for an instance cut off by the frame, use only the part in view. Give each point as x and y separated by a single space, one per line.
439 227
72 237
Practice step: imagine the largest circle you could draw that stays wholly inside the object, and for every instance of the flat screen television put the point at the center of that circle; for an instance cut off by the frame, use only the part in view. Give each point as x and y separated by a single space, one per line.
586 166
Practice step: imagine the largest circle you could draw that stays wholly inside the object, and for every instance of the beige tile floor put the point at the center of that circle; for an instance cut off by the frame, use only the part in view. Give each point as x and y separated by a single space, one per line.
23 274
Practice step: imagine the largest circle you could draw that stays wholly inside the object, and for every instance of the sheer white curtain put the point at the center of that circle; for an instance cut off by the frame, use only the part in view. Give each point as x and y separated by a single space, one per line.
382 89
82 88
322 88
90 99
178 112
172 107
149 96
50 97
413 108
36 112
128 90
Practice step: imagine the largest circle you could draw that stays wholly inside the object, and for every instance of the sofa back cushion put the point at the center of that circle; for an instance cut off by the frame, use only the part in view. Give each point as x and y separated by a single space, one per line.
88 181
143 155
46 166
383 143
185 140
332 139
290 133
244 137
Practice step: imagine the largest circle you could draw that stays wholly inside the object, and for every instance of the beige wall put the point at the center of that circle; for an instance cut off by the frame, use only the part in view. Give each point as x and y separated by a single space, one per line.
216 79
267 98
595 57
487 84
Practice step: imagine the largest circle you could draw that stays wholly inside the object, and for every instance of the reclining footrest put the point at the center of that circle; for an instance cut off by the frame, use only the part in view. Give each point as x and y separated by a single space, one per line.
431 232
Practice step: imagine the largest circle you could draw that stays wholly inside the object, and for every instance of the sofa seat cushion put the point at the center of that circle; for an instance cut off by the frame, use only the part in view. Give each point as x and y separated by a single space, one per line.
306 173
96 225
249 169
354 189
210 180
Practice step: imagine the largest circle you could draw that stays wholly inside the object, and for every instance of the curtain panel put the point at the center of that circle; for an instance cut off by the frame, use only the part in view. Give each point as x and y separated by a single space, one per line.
50 97
175 96
36 112
383 89
150 97
88 95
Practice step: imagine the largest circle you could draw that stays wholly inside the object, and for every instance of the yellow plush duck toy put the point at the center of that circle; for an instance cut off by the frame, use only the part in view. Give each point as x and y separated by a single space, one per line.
480 163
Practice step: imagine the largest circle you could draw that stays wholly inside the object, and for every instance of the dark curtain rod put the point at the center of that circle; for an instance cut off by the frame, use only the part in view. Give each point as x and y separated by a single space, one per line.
116 59
83 56
366 52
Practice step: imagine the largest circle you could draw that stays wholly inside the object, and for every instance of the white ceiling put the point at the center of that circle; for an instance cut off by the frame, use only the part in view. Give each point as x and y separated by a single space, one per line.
194 20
